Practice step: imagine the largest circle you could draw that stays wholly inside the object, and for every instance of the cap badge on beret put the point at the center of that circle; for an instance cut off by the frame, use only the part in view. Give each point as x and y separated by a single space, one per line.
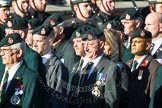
142 33
9 24
109 26
77 34
43 31
127 17
90 36
52 22
29 25
10 40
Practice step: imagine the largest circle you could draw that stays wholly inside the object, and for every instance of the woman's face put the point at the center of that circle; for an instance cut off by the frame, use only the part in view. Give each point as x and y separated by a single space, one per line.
107 49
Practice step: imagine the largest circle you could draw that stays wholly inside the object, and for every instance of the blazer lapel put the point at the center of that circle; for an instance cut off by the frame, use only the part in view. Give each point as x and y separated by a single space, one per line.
11 88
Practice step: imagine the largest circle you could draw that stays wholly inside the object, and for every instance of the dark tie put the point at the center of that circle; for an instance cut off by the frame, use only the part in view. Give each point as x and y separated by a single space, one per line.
86 72
152 47
4 84
135 63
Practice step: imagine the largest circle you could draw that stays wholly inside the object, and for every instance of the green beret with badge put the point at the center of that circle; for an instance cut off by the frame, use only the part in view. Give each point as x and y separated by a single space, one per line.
78 33
11 39
141 33
33 23
73 2
131 14
53 20
93 34
113 24
17 23
42 30
4 3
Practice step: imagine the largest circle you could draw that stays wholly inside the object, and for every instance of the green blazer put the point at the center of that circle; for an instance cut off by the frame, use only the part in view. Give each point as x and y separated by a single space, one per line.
28 99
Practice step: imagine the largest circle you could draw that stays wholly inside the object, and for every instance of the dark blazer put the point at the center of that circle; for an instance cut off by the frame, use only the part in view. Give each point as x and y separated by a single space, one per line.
56 75
99 90
142 88
29 98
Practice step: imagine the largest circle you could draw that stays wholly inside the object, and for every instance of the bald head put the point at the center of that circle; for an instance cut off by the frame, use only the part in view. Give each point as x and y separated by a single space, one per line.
153 23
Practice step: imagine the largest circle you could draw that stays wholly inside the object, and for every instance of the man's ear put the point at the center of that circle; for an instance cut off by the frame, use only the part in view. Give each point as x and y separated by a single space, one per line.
61 30
160 27
148 46
19 53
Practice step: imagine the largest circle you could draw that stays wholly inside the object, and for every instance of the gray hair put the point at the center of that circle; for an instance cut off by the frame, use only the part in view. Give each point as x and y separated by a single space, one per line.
20 45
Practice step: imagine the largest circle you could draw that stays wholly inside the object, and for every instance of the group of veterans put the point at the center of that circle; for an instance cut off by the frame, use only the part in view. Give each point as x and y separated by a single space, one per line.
96 59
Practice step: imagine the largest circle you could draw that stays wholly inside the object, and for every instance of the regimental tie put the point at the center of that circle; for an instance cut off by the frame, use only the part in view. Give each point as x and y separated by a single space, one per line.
152 47
3 84
86 73
135 63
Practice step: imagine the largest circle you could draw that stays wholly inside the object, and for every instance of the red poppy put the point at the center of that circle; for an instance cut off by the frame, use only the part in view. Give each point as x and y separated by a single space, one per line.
19 85
144 63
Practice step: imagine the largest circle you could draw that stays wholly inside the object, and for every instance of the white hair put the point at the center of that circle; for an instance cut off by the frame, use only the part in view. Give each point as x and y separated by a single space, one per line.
20 45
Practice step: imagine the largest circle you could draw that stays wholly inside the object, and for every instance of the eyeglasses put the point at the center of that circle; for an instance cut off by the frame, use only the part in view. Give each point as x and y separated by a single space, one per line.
6 51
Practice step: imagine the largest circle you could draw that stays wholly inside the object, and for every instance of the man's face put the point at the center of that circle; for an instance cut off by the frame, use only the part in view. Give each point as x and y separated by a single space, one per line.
152 25
139 46
129 27
4 13
109 5
40 43
23 5
85 9
40 4
91 48
9 56
78 47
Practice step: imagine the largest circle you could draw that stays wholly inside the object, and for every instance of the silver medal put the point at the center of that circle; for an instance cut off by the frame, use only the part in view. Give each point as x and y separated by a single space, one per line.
21 92
96 92
17 92
139 77
15 100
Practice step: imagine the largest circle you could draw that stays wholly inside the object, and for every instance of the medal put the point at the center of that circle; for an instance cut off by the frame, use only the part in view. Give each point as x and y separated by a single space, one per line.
16 93
98 83
21 92
140 75
15 100
96 92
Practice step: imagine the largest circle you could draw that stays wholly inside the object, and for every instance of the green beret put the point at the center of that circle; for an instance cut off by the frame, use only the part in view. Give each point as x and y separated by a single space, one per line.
53 20
93 34
155 1
11 39
79 1
78 33
33 23
141 33
4 3
17 23
113 24
131 14
42 30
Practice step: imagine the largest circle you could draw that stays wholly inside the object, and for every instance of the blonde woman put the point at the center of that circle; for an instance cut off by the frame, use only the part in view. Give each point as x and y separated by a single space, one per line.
112 50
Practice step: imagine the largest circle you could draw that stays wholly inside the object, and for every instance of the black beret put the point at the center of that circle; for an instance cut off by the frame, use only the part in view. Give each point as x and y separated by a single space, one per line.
79 1
131 14
33 23
4 3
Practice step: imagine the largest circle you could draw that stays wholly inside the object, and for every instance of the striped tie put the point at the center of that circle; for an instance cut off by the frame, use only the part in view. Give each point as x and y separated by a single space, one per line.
3 84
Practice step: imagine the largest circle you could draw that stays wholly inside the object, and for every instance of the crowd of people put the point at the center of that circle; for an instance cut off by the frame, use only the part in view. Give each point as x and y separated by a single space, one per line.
96 59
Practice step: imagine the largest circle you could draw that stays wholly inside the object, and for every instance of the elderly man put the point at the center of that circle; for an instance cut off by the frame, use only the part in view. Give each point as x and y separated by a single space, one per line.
96 85
18 82
144 69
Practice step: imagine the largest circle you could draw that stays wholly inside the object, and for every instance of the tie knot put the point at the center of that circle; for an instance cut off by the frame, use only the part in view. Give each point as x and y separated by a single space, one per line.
135 63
